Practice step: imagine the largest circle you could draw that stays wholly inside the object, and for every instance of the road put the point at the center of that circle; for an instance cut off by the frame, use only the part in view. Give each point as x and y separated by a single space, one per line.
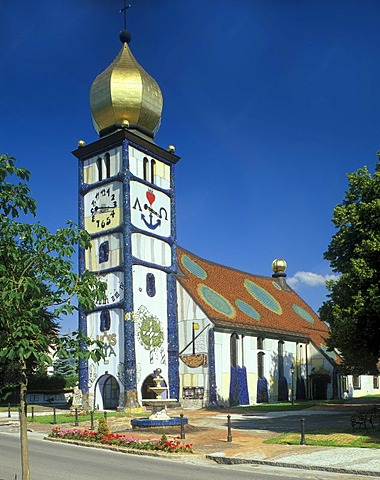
55 461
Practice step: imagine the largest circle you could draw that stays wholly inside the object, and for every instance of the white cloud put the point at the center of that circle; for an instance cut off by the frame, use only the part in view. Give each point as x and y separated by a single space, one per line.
310 279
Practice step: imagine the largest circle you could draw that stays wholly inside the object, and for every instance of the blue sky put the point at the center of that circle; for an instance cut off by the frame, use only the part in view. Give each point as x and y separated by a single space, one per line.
270 103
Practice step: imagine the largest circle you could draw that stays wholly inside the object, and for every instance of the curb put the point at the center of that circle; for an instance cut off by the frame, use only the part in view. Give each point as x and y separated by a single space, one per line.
235 461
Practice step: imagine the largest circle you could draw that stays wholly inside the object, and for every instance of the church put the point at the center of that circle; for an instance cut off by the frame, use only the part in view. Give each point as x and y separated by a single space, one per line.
220 336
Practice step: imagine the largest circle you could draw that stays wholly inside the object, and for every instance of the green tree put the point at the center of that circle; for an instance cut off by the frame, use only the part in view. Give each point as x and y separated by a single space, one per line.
353 306
37 284
68 369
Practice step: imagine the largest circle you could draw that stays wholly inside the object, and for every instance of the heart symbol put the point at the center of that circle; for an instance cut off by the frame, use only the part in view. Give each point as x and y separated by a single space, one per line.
151 197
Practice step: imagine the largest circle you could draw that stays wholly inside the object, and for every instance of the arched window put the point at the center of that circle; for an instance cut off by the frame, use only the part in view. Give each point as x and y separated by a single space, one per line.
260 364
260 343
104 250
233 349
100 168
107 159
150 285
152 170
105 320
280 358
145 168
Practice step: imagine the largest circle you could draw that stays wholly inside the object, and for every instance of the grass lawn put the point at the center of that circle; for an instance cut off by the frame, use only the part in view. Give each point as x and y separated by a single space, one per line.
360 438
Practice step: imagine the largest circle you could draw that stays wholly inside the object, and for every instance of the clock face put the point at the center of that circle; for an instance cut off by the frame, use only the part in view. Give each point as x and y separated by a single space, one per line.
102 208
150 209
115 288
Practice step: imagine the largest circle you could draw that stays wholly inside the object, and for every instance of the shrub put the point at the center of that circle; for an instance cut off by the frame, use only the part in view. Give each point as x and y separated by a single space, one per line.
103 428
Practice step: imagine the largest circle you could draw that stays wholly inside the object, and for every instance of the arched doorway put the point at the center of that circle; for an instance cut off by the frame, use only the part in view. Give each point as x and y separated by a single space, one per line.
148 382
110 392
319 384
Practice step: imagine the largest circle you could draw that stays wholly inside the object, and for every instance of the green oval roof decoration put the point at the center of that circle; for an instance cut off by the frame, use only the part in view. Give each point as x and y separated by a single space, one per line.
216 301
263 297
193 267
301 312
327 352
275 284
247 309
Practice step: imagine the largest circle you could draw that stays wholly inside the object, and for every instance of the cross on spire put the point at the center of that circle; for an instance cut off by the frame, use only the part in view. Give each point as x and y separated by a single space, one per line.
124 12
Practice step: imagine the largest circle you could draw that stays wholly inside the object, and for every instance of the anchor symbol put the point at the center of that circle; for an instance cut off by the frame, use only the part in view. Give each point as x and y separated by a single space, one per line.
150 196
150 223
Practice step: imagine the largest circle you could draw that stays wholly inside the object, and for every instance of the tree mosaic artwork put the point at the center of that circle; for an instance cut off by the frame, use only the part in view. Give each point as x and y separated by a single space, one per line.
150 334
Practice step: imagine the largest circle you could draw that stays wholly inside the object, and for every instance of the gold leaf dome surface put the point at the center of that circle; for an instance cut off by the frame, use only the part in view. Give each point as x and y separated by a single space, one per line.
125 92
279 265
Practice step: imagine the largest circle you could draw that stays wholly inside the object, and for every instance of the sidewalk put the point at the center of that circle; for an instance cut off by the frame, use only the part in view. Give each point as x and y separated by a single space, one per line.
247 443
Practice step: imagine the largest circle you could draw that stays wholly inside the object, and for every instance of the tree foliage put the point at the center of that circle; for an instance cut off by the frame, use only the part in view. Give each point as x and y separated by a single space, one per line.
37 285
353 306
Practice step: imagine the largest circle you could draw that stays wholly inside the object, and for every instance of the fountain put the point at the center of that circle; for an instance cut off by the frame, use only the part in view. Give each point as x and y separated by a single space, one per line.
159 416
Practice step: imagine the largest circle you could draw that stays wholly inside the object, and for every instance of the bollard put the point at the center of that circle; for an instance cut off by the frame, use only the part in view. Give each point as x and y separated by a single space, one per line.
105 415
32 414
303 441
92 420
76 418
54 416
9 410
229 434
182 427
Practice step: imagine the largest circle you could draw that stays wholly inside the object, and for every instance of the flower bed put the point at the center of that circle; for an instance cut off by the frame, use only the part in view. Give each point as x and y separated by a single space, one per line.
163 444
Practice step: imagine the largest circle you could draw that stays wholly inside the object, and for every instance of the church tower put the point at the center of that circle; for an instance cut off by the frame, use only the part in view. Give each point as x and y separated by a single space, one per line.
127 204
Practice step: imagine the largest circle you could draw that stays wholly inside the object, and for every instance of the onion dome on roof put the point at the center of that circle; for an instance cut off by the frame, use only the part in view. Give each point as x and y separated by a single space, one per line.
125 95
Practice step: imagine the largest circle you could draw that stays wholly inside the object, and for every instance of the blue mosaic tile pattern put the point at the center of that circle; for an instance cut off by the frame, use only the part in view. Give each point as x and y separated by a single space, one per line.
211 367
276 285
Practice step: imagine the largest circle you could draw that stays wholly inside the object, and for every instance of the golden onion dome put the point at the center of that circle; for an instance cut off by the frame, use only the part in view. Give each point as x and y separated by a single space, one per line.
279 265
125 94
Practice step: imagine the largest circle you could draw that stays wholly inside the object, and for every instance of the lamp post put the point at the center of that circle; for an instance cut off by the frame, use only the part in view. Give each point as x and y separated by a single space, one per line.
292 370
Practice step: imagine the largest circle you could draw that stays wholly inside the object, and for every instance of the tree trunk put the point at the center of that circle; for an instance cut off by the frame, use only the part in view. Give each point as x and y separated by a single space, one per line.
24 429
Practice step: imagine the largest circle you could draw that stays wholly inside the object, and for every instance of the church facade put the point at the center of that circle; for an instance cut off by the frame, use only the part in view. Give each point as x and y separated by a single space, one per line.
219 335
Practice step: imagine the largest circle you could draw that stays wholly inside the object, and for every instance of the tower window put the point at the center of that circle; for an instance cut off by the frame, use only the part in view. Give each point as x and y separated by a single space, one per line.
152 170
104 250
105 321
107 159
150 285
99 165
260 343
145 168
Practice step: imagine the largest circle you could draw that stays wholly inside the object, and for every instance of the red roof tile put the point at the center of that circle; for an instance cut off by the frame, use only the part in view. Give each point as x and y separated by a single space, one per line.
233 299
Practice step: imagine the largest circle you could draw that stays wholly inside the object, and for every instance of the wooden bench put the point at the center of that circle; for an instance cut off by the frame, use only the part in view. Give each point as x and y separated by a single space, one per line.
362 418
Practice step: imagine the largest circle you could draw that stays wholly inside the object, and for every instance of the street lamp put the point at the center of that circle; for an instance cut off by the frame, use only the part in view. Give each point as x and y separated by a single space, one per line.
292 370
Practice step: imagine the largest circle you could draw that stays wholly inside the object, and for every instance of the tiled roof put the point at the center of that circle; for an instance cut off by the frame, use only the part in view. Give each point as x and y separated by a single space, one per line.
238 300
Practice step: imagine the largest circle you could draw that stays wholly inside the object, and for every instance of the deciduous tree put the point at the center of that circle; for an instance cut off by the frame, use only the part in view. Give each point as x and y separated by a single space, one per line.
353 306
37 280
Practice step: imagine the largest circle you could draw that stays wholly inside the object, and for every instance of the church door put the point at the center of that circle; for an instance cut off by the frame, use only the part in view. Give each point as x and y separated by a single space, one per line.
110 393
